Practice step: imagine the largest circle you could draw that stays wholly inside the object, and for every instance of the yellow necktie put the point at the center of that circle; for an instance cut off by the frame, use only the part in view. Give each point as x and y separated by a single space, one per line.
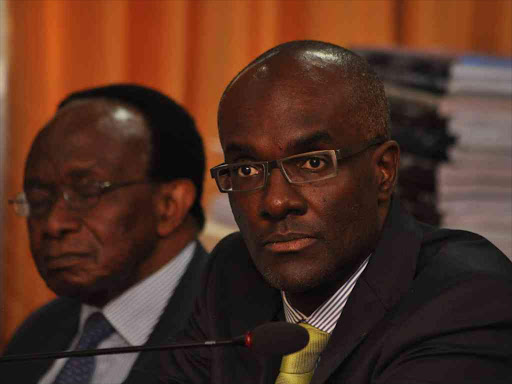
298 367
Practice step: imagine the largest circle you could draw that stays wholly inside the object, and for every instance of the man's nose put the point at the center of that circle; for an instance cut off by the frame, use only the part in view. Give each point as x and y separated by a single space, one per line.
282 198
61 219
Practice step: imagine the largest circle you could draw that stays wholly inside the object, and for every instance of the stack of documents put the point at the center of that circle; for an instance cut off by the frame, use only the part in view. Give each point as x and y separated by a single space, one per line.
475 188
415 83
452 116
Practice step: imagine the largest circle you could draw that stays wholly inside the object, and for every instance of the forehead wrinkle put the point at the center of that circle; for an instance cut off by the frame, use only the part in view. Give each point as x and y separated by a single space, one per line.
306 143
83 122
237 149
296 101
309 141
74 169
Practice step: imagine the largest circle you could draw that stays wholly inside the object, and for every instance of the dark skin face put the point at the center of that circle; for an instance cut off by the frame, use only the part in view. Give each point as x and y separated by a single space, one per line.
305 239
96 254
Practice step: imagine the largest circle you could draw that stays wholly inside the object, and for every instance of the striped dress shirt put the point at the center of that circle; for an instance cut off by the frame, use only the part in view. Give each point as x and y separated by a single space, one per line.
326 316
133 315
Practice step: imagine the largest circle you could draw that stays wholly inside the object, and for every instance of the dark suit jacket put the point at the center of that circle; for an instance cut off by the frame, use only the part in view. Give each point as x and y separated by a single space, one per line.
53 326
432 306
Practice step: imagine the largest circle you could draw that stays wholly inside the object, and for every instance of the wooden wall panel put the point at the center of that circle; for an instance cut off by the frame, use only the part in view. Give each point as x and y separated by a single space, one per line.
190 50
491 27
457 25
27 107
157 38
349 23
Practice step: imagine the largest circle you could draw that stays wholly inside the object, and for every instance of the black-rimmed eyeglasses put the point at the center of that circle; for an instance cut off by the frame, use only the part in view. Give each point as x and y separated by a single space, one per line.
303 168
37 200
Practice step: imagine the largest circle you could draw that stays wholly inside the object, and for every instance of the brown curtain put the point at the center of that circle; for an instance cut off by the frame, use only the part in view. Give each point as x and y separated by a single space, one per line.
190 50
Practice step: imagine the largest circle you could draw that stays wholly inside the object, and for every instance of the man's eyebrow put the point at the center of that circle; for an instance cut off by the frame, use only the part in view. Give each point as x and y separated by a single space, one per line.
35 183
309 142
74 176
79 174
235 149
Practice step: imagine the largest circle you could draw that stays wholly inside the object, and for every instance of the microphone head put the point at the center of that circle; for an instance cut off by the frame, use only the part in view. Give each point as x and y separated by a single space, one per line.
277 338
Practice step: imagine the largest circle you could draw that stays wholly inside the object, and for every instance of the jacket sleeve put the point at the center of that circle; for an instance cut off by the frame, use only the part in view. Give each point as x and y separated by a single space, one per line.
192 366
463 334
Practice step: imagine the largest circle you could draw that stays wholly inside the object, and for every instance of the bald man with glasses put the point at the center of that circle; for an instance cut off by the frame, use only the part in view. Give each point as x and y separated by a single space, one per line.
111 193
310 171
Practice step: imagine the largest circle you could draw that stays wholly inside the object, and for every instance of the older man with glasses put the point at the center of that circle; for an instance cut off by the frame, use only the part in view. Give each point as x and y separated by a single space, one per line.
111 193
310 170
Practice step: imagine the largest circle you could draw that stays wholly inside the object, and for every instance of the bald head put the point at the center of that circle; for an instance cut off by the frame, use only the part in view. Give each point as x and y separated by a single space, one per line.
326 66
84 124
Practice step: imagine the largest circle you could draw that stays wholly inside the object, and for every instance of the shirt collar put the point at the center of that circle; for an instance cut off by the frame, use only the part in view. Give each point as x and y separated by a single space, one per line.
326 316
135 313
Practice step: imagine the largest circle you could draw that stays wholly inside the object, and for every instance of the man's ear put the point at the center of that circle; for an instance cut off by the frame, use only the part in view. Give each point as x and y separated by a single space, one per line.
387 159
173 202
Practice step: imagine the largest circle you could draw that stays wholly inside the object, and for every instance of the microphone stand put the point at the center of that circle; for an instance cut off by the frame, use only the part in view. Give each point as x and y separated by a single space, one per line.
274 338
240 340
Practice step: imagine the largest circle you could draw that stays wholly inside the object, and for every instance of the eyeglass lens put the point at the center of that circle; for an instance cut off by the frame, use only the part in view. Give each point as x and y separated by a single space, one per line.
39 201
310 167
298 169
242 177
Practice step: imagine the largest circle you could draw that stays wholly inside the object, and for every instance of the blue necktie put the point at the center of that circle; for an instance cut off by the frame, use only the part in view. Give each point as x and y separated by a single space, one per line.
79 370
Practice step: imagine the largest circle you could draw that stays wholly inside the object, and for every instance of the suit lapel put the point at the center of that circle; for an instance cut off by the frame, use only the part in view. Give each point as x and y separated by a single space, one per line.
362 312
248 302
387 277
255 301
65 320
172 320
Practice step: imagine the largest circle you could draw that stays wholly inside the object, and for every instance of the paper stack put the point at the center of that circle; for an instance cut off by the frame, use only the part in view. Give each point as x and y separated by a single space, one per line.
415 84
475 188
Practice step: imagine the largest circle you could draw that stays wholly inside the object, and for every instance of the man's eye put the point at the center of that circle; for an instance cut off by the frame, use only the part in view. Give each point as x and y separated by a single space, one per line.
87 190
246 171
38 196
313 163
39 200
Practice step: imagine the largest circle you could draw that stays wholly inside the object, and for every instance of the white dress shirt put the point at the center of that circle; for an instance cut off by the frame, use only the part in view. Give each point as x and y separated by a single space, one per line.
326 316
133 315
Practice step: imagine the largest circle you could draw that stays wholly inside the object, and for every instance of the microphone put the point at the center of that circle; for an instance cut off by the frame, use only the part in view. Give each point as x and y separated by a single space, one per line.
274 338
